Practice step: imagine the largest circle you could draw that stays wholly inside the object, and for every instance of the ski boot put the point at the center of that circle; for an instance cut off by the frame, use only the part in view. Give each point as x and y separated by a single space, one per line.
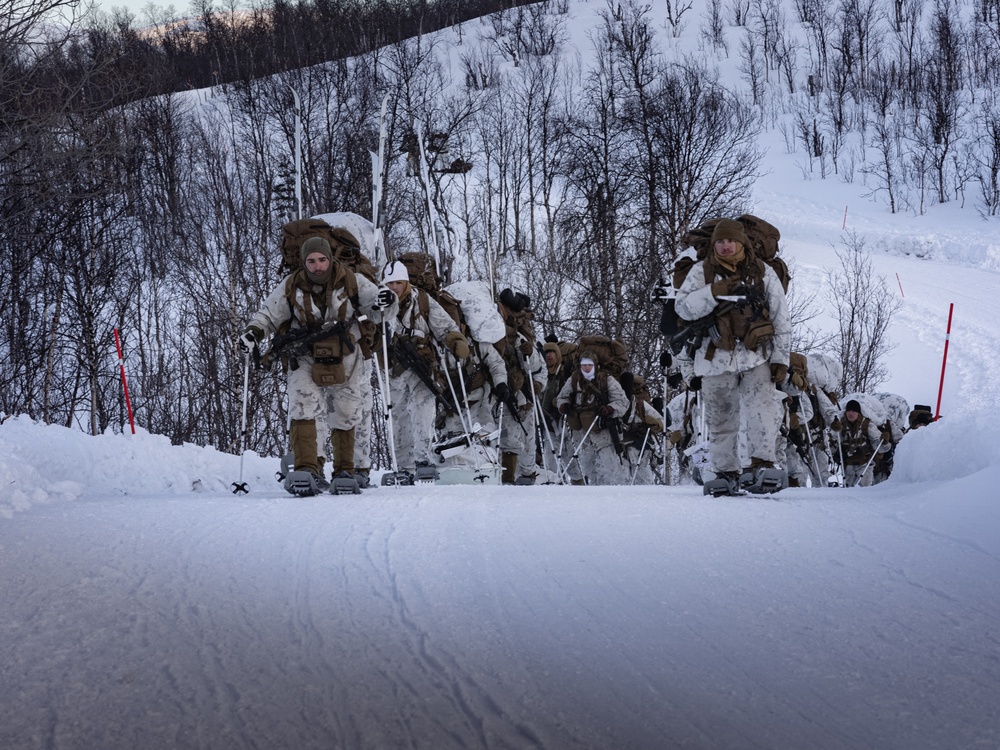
305 483
725 483
345 483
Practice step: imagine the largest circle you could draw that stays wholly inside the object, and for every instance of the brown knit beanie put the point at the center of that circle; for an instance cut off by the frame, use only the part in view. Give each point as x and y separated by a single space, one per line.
728 229
317 245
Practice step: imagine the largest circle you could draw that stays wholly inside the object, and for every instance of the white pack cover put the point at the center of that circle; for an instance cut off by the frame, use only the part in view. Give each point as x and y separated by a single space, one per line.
825 371
358 225
485 323
897 408
871 407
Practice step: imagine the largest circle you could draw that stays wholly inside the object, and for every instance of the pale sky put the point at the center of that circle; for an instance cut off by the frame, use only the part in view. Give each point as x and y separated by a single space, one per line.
172 9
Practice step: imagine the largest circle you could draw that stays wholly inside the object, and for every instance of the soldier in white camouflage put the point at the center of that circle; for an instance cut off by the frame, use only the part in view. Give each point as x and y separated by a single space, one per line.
421 330
324 387
745 355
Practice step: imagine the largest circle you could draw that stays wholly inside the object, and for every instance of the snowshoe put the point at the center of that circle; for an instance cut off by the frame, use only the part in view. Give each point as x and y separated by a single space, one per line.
764 481
345 483
425 473
525 480
364 480
305 483
725 483
397 479
287 464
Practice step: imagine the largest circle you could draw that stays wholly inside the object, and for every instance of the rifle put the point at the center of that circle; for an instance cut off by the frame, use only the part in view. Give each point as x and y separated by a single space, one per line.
613 424
511 403
298 343
406 354
691 336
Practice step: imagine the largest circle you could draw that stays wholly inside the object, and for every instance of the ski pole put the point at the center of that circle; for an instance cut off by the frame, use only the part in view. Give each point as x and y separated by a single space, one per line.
240 487
547 434
387 397
642 450
840 450
466 428
465 393
865 470
443 356
812 449
576 453
562 443
666 435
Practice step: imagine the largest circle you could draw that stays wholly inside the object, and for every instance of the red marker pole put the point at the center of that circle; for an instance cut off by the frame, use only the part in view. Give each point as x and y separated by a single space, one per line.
121 364
944 362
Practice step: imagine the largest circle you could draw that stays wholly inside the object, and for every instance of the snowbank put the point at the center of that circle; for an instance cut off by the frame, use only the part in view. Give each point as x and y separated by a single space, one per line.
952 448
43 463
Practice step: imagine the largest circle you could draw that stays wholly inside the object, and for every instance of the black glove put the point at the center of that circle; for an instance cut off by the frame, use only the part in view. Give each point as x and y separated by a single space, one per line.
674 380
665 359
502 392
385 298
564 409
695 384
247 341
835 424
607 410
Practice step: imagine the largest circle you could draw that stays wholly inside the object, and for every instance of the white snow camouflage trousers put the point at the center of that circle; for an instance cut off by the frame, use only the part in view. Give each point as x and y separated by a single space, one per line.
727 396
363 430
413 411
337 406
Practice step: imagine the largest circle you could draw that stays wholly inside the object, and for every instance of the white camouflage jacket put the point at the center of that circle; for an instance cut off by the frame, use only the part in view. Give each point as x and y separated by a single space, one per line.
695 300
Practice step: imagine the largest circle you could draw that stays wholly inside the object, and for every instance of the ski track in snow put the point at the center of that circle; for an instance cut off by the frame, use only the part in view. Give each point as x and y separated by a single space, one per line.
426 618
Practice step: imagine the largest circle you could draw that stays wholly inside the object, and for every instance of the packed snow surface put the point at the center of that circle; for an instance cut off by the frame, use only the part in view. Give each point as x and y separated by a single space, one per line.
146 606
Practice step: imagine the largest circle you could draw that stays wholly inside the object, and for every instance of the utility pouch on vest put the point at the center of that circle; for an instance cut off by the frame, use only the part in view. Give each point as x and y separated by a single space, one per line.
759 332
328 373
328 364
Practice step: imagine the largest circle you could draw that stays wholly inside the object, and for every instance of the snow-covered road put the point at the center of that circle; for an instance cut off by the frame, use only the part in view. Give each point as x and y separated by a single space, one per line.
545 617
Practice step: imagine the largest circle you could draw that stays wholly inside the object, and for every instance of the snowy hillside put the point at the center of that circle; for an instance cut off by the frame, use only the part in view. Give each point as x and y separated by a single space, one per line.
145 605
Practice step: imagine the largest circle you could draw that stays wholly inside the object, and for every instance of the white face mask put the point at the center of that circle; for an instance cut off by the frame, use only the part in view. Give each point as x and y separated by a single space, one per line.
592 372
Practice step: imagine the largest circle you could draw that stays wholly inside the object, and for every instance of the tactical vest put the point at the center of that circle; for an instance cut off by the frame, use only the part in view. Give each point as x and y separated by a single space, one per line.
855 444
421 341
586 397
741 322
342 278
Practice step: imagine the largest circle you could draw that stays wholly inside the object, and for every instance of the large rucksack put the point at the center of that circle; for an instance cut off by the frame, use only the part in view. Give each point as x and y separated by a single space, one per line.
763 237
478 310
611 354
346 247
423 273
